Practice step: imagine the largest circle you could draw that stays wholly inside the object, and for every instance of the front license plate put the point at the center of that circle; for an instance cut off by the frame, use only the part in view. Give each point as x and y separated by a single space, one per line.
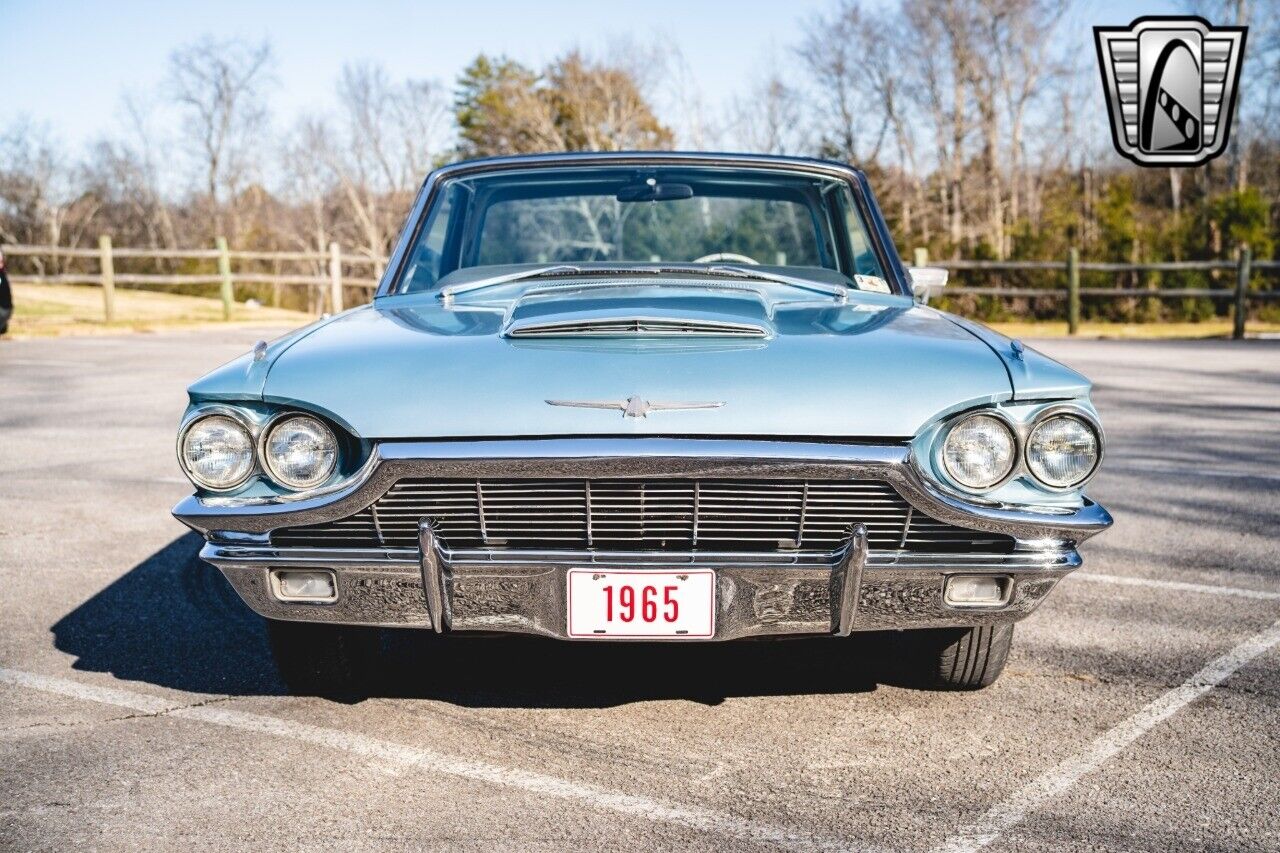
638 604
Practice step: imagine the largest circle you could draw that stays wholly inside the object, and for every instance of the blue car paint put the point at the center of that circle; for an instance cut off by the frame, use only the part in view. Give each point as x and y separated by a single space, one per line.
873 367
408 367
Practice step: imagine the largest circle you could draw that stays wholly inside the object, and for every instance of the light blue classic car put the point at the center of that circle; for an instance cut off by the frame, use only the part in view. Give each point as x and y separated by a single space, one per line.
657 396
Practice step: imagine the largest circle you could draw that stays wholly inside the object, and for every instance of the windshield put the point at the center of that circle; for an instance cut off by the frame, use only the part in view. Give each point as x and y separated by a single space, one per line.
789 222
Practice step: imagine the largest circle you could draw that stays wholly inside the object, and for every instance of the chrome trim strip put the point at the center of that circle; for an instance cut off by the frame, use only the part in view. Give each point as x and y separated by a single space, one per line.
644 457
407 560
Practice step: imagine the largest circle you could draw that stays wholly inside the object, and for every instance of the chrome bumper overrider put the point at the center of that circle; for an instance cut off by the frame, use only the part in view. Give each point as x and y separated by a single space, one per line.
763 594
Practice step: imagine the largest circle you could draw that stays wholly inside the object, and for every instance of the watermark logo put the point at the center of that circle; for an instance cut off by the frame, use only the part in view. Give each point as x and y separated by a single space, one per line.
1171 87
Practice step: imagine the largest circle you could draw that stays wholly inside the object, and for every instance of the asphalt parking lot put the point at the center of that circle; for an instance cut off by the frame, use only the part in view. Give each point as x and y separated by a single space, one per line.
139 708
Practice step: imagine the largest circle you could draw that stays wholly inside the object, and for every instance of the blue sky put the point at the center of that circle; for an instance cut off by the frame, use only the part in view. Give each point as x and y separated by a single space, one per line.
67 63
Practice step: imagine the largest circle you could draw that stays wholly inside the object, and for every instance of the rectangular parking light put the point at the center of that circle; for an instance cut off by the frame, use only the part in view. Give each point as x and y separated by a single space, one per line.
976 590
299 585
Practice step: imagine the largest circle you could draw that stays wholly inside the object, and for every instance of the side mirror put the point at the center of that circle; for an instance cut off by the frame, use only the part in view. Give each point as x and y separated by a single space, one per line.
927 282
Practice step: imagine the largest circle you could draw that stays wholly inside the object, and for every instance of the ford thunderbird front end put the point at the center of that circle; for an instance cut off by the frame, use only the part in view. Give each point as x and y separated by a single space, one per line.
645 396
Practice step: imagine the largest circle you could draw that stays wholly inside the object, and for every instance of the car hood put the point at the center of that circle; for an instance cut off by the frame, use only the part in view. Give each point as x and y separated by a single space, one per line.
871 366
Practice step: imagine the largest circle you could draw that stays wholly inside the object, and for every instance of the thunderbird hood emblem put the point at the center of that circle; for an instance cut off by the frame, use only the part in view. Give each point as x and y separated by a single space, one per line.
634 406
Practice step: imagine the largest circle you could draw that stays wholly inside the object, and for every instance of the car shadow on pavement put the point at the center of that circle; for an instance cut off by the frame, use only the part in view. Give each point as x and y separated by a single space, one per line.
175 622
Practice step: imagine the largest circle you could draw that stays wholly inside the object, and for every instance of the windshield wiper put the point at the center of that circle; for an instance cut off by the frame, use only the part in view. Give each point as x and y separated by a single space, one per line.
760 275
447 293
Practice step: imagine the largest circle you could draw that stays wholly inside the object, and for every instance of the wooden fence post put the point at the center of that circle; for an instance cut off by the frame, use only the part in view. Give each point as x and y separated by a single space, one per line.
335 277
1244 268
108 268
920 257
224 270
1073 291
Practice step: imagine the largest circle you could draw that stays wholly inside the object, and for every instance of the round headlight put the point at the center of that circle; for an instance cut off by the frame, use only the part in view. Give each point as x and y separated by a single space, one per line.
1062 451
300 452
979 451
217 453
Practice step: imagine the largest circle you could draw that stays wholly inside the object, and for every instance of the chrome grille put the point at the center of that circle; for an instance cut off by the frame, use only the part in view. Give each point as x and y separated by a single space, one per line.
644 514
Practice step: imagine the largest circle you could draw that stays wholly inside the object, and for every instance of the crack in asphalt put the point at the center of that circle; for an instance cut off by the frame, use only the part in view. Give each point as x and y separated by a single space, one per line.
140 715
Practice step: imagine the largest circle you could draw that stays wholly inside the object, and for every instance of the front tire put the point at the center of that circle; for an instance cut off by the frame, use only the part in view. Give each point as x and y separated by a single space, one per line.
957 658
324 660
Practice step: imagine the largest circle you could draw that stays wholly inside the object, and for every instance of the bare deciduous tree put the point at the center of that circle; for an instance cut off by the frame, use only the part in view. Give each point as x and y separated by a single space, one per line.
219 85
767 119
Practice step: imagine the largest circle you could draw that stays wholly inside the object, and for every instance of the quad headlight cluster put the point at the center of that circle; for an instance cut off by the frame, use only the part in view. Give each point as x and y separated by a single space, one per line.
1060 450
219 453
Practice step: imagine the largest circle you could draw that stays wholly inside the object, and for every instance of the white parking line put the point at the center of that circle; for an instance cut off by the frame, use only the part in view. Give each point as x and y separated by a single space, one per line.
403 756
1180 586
1008 814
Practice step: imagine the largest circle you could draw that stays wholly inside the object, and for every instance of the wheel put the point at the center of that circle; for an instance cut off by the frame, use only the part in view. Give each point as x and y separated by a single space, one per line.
324 660
956 658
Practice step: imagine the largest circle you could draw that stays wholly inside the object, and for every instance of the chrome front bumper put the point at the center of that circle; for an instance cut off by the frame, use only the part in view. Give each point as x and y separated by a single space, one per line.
773 594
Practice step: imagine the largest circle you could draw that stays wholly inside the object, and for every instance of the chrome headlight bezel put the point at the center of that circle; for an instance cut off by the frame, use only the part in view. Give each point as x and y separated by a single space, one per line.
226 413
1021 427
940 449
264 454
1075 413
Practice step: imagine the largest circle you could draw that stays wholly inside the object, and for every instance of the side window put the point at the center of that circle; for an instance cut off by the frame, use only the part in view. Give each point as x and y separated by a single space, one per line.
425 264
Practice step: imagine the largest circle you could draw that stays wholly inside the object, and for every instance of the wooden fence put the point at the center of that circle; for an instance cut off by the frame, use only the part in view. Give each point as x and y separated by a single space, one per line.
1244 268
331 277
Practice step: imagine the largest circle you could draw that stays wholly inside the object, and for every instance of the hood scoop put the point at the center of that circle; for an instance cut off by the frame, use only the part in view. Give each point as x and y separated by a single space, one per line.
636 327
640 311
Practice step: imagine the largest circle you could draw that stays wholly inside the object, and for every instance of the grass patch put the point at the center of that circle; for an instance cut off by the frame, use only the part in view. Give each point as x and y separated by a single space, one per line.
50 310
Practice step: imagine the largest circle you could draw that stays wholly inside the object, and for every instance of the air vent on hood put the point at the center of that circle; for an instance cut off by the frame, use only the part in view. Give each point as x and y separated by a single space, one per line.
653 327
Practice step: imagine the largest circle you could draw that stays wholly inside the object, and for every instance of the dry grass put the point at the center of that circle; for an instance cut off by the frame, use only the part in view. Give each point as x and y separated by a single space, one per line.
48 310
1131 331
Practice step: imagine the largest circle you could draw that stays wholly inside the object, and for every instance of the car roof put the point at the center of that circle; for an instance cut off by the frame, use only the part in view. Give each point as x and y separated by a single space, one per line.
643 157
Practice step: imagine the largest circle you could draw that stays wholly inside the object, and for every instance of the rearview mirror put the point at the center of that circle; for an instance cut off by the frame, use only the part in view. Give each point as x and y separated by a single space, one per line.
655 192
927 281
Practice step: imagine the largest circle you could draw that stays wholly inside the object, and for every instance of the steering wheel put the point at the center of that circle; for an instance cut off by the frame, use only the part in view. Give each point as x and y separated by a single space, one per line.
726 256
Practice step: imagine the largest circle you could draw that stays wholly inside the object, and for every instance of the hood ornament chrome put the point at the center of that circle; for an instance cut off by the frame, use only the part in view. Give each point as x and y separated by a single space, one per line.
634 406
